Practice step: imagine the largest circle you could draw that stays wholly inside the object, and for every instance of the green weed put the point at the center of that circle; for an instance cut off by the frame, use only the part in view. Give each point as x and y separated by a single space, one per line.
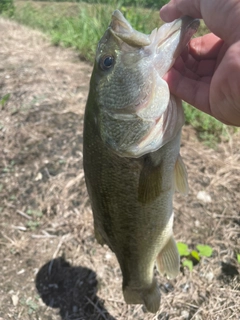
238 257
9 168
7 7
31 303
4 100
193 257
140 3
35 213
36 216
12 198
209 130
204 250
32 225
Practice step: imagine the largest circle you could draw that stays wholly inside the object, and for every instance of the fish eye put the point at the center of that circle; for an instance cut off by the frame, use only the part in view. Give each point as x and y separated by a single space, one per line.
106 62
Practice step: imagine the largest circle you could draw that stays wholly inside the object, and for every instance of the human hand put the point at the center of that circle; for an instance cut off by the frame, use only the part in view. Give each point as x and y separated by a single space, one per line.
208 75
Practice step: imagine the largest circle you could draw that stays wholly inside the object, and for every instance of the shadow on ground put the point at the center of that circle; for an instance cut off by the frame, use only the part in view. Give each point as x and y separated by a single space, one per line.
71 289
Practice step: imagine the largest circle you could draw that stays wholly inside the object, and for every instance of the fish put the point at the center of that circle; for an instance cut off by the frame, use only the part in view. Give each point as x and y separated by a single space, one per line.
131 143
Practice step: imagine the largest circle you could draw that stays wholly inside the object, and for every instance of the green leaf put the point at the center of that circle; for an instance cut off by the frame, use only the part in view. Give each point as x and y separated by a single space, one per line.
238 257
5 99
204 250
32 305
188 263
195 255
183 249
33 225
29 212
38 214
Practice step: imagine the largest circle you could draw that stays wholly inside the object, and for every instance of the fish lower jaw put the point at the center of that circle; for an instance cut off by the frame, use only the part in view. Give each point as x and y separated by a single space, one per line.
149 296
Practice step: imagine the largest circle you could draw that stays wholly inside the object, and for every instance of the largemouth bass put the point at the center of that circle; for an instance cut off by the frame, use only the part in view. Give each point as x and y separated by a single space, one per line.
132 130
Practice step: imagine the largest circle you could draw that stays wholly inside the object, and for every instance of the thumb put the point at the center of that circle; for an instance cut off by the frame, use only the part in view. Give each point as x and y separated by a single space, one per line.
177 8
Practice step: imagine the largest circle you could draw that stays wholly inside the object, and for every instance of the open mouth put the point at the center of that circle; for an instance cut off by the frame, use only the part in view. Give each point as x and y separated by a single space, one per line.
184 28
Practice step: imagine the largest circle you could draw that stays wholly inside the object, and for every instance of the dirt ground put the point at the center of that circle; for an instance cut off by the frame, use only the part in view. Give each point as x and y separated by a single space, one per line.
51 266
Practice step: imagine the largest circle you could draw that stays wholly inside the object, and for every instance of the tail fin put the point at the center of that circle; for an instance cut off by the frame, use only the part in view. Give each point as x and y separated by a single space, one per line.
168 261
150 297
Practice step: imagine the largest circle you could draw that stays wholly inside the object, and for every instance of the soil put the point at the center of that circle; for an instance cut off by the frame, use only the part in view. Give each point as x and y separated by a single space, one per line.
52 266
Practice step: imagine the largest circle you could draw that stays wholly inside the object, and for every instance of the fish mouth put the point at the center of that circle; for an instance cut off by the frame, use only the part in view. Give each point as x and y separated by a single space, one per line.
123 30
183 29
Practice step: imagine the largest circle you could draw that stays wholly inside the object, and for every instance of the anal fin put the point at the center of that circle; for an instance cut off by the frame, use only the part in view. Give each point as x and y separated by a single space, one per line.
180 176
168 260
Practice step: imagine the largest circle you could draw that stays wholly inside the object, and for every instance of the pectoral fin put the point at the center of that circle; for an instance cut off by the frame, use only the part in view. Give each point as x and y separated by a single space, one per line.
168 261
180 176
150 182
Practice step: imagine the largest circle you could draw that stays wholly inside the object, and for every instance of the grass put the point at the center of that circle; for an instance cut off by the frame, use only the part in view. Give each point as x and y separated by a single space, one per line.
209 130
140 3
81 25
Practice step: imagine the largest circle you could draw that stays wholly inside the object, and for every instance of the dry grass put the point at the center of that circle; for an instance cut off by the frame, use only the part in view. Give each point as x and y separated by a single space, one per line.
52 266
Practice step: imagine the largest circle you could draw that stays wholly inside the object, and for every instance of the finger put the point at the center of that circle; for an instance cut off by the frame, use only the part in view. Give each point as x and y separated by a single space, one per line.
200 68
225 88
177 8
193 69
169 12
194 92
205 47
180 66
